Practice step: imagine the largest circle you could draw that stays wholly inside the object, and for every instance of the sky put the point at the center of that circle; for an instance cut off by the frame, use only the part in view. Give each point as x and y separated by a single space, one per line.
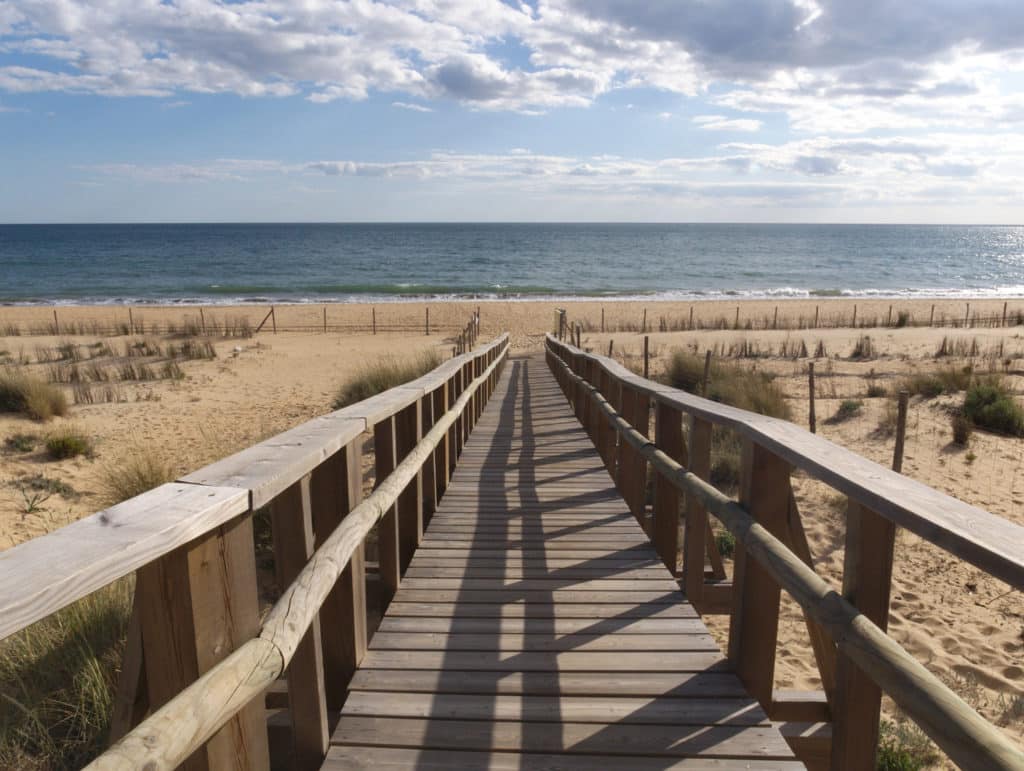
482 110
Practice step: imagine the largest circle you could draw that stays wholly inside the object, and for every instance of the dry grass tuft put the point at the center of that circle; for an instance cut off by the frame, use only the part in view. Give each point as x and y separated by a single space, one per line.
139 471
384 374
21 392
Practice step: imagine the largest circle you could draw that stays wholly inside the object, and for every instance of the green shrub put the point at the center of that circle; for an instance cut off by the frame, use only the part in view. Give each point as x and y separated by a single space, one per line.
57 680
990 405
21 442
725 542
28 395
962 427
904 747
949 380
384 374
730 384
68 443
848 408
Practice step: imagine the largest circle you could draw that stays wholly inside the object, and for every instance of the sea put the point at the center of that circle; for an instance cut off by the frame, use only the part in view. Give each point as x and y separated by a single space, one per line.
314 263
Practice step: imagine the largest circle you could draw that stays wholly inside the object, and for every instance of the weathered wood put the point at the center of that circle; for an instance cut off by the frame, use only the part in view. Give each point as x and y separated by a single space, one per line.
428 482
388 548
867 581
336 489
408 431
291 515
131 700
196 605
669 437
697 541
48 573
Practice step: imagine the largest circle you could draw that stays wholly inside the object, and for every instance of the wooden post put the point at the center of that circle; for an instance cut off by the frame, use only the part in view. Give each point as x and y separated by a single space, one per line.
273 317
643 327
707 374
441 454
888 321
754 624
387 528
325 319
1004 315
131 321
602 318
633 465
647 356
611 344
736 324
867 578
579 336
202 320
901 432
854 324
337 488
668 428
56 324
696 517
373 319
967 315
815 316
690 326
291 515
196 605
775 318
426 322
408 428
810 383
931 318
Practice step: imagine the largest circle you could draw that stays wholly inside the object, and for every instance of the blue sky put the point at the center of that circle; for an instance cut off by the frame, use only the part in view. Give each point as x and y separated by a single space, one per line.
666 110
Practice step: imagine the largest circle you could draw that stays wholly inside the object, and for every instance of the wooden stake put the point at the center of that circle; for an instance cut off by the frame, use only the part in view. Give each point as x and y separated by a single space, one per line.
325 319
901 432
931 319
1004 315
707 374
644 327
691 318
647 356
611 343
373 314
131 321
888 321
273 317
854 324
775 318
56 324
202 321
427 322
967 314
736 325
815 316
811 417
602 318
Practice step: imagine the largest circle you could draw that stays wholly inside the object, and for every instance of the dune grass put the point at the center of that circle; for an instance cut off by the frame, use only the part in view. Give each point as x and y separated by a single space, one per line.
947 380
384 374
137 472
22 393
988 404
57 682
68 442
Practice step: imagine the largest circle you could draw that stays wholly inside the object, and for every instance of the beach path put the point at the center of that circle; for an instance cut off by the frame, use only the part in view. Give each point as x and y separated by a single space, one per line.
536 628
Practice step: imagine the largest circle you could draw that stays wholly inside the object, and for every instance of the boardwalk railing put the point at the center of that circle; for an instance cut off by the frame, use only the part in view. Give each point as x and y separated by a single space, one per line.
856 660
199 657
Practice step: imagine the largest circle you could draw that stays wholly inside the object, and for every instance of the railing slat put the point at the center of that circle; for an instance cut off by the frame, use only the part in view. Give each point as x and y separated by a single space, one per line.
291 516
668 427
408 432
388 548
695 546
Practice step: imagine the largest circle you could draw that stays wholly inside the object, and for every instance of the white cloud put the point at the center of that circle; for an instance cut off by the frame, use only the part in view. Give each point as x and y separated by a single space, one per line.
722 123
412 107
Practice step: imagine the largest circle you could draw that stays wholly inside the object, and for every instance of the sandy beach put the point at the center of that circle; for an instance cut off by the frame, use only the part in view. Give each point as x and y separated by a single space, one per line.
963 625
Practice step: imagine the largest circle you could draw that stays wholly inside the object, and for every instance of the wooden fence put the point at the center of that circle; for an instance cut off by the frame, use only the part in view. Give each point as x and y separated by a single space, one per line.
199 658
857 661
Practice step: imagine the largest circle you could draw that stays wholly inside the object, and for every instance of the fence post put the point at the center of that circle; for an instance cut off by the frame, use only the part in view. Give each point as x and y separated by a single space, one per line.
291 515
325 319
647 357
707 374
697 525
439 408
426 321
196 605
273 317
810 384
901 431
408 431
644 326
336 489
668 432
754 625
602 317
373 317
854 324
867 577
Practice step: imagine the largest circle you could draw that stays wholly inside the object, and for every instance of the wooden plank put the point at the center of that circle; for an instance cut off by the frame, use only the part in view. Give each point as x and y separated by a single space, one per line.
754 624
541 640
398 759
668 428
597 685
453 608
867 581
673 741
534 661
408 432
50 572
558 626
577 709
291 515
428 483
336 488
197 605
696 517
384 459
515 585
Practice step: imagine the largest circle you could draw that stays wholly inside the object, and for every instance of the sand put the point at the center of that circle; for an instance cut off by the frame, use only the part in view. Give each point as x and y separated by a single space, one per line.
965 626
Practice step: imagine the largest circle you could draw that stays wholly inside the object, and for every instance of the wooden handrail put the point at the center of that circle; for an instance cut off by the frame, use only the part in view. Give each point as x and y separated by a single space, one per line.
182 725
954 726
977 536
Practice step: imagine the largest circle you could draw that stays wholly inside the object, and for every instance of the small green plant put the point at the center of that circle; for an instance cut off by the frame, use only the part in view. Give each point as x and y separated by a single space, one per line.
904 747
68 443
990 405
902 318
45 484
725 542
848 408
384 374
948 380
962 427
23 393
21 442
970 457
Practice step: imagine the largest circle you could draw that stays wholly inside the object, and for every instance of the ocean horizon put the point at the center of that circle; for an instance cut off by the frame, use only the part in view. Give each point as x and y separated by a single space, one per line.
232 263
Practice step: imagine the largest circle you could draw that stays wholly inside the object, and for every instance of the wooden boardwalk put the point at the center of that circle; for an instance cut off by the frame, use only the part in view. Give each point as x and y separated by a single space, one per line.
537 629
